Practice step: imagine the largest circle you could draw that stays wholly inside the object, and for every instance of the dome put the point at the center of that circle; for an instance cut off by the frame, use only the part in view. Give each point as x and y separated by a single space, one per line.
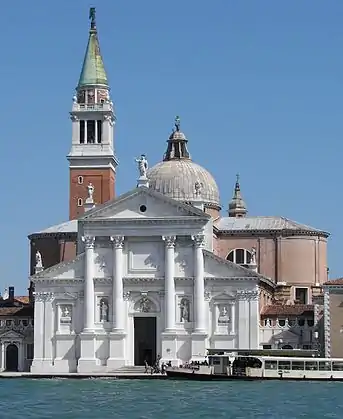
178 177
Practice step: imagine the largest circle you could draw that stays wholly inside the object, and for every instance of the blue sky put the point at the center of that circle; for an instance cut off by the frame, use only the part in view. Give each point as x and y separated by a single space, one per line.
258 87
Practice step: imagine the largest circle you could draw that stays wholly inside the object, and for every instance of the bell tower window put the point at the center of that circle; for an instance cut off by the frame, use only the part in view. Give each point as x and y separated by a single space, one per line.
90 132
82 132
99 131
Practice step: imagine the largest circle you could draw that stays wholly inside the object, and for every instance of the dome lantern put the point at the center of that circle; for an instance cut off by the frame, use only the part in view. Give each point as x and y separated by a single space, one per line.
177 175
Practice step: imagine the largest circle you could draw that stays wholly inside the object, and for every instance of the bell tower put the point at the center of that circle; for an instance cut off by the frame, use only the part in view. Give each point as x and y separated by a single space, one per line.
92 157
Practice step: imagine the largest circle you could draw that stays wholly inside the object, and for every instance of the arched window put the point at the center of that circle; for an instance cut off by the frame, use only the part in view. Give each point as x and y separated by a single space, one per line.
240 256
80 202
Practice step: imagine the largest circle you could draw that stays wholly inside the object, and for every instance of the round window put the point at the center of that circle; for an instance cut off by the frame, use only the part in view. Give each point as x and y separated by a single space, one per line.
142 208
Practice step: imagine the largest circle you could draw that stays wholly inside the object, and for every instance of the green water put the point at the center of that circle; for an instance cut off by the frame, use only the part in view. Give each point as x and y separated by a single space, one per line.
100 399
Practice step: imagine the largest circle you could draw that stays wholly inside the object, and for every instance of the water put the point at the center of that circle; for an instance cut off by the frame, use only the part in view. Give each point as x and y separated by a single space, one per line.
131 399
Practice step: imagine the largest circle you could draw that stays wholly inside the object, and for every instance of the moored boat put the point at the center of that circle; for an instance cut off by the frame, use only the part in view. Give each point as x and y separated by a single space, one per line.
236 367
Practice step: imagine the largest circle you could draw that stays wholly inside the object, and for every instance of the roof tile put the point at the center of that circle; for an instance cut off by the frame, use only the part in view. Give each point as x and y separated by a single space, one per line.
286 310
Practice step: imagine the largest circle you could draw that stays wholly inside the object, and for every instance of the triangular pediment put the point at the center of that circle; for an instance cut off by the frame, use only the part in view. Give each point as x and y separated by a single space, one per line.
73 269
217 267
143 203
11 334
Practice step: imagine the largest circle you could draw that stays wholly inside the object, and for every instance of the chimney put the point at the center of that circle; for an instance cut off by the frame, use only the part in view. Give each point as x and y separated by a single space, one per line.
11 293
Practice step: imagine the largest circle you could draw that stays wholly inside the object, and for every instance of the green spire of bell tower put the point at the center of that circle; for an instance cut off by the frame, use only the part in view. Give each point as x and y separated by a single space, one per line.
93 70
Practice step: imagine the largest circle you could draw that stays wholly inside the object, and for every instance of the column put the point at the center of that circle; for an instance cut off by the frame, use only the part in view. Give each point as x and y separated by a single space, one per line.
86 142
3 366
96 131
89 284
169 282
233 318
38 330
117 284
199 285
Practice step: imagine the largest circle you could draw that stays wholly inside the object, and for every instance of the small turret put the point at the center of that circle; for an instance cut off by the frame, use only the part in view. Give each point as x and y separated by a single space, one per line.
237 207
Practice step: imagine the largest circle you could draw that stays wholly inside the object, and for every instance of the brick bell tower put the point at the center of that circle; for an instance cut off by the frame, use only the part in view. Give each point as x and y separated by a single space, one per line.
92 157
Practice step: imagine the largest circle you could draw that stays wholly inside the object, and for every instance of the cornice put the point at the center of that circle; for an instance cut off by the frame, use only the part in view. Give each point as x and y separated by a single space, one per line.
58 281
61 235
128 222
271 233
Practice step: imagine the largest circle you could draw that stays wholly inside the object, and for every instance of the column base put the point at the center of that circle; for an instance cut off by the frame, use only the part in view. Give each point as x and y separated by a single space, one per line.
41 366
169 347
87 361
85 366
199 344
116 349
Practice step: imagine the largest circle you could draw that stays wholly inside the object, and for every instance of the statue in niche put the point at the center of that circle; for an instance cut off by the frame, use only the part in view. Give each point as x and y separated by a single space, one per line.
145 305
104 310
224 317
142 165
39 262
184 310
66 314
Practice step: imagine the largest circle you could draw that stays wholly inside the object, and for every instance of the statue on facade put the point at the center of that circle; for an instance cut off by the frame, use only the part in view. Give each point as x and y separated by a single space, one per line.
184 310
198 188
224 317
65 314
142 165
39 261
253 256
104 310
145 305
90 189
177 123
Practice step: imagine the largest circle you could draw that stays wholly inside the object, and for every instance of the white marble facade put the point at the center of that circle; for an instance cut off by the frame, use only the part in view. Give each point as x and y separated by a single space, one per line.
145 262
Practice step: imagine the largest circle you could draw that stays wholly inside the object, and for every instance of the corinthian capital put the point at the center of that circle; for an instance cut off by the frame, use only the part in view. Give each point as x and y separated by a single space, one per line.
169 241
89 241
118 241
199 240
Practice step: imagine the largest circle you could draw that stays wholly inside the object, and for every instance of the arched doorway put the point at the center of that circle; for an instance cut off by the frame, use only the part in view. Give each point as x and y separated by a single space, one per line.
12 357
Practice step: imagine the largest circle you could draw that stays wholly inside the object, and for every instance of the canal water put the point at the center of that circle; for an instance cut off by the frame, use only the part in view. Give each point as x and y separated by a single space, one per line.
145 399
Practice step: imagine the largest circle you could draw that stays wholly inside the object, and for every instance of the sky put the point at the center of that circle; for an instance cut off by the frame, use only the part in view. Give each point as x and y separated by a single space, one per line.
257 85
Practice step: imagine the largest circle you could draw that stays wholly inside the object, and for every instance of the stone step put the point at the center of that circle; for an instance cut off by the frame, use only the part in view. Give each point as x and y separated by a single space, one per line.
133 369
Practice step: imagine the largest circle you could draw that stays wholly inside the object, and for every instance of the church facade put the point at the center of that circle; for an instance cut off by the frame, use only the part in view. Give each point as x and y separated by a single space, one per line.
159 270
142 286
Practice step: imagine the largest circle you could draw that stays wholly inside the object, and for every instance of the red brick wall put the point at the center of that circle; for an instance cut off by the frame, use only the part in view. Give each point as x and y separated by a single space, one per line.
103 181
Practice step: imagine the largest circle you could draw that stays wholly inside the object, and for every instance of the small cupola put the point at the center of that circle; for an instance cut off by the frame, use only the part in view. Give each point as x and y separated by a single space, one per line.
237 206
177 144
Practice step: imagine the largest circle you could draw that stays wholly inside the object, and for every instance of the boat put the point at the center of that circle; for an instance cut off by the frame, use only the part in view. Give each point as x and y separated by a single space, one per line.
237 367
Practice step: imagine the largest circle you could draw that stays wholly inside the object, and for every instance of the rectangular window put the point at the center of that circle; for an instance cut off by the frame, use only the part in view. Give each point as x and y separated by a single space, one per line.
301 295
99 128
267 346
270 365
82 132
324 366
284 365
90 132
298 365
311 366
337 366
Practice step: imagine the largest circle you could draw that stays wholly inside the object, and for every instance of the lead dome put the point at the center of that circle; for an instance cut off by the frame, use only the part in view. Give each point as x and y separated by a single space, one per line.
178 177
